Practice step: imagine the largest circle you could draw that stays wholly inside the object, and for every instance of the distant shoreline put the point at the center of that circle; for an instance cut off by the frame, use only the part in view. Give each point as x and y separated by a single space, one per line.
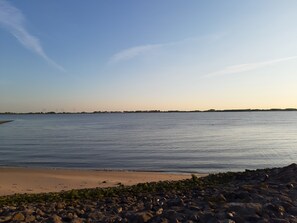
149 111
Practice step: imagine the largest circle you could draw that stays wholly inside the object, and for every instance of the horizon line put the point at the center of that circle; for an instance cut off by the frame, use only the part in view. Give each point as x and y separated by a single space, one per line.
157 111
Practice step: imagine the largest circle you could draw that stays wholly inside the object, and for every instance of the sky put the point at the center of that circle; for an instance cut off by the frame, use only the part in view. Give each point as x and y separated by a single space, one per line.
114 55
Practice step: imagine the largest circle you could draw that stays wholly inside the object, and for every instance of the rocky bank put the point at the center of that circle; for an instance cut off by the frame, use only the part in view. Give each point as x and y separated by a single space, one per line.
266 195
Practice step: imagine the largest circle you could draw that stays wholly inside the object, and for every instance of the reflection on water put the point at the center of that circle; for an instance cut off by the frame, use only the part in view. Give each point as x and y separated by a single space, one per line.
176 142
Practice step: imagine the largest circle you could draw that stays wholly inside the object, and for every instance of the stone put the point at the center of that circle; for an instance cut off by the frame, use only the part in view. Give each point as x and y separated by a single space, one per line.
29 211
226 221
247 209
77 220
60 205
18 217
5 219
30 218
69 216
194 208
221 198
230 214
144 216
118 210
56 219
279 220
164 220
293 211
175 202
159 211
208 218
40 212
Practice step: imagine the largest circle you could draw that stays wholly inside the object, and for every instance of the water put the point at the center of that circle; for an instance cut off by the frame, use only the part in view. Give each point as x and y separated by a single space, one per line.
171 142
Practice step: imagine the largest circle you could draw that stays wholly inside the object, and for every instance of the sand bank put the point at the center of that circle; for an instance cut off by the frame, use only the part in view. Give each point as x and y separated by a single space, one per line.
2 122
26 180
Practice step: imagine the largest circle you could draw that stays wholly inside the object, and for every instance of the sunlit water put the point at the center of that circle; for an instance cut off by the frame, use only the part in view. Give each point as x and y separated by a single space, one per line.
173 142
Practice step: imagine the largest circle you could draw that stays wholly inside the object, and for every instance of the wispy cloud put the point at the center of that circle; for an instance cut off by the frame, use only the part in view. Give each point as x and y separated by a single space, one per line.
130 53
133 52
239 68
14 21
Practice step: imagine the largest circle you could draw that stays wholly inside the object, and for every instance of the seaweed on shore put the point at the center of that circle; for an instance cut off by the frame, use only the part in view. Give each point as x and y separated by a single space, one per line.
219 180
100 193
264 195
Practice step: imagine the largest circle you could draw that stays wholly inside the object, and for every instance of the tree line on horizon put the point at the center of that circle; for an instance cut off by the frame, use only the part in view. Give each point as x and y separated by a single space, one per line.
154 111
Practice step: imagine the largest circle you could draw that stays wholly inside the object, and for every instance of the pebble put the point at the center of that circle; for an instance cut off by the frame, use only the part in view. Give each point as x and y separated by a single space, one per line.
18 217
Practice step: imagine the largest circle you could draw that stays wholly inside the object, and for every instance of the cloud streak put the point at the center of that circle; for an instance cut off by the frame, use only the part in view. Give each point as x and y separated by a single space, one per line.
240 68
136 51
14 21
132 52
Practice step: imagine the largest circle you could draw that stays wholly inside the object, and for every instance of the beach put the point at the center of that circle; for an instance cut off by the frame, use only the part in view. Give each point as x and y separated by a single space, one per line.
2 122
31 180
263 195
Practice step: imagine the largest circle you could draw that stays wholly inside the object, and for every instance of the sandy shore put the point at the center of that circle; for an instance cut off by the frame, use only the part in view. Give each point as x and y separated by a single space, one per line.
26 180
262 195
2 122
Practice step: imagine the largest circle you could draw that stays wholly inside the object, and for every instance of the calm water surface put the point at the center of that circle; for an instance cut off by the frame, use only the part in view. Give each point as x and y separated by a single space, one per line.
173 142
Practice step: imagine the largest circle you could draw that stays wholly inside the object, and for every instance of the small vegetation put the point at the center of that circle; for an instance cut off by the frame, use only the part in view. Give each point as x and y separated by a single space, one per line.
100 193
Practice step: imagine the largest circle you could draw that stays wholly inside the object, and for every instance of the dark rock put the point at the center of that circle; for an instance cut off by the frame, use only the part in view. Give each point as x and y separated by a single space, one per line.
292 210
221 198
245 209
208 218
140 217
159 211
226 221
175 202
279 220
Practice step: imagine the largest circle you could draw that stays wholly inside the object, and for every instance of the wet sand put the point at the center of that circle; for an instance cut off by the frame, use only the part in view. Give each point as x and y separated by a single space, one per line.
27 180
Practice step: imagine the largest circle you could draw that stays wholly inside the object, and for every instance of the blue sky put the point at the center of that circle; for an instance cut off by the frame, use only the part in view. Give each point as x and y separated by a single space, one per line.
75 55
